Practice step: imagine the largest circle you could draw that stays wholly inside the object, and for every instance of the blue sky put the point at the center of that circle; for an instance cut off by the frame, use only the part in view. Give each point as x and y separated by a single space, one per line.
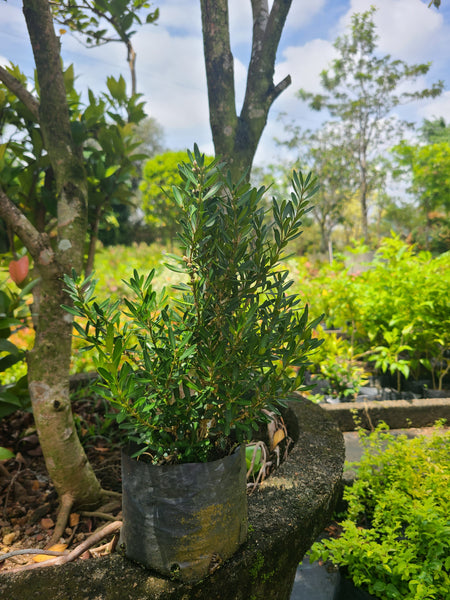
170 64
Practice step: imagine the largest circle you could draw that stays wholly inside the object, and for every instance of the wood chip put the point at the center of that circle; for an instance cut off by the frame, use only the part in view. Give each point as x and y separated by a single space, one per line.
47 523
8 538
43 557
74 519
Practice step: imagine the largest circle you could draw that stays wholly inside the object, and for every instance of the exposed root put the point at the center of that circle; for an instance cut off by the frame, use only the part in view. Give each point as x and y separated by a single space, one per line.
63 517
98 514
65 508
29 551
111 494
96 537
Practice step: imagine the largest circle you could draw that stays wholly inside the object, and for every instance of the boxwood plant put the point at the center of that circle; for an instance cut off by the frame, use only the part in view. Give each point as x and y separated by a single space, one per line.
193 375
395 539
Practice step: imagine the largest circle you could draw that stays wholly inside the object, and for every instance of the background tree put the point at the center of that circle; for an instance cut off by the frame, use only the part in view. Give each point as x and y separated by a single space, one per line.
55 235
159 207
326 153
236 137
101 22
361 90
435 131
427 165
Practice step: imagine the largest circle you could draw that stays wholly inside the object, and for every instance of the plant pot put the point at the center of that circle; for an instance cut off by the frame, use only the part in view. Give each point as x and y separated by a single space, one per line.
183 520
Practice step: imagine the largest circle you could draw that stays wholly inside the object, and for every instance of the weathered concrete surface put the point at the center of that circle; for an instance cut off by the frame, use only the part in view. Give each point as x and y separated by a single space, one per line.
285 516
397 414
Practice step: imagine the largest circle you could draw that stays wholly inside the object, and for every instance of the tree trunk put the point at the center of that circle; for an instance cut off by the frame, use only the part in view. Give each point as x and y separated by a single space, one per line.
49 360
236 138
48 380
363 201
48 370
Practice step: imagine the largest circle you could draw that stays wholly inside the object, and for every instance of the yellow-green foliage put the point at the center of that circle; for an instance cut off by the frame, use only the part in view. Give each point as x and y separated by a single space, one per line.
396 533
394 310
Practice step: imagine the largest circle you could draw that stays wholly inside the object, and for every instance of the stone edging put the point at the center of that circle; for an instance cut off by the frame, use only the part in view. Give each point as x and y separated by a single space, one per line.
397 414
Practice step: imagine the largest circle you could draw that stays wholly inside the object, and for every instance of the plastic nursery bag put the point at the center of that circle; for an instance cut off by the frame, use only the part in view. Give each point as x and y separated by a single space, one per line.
183 520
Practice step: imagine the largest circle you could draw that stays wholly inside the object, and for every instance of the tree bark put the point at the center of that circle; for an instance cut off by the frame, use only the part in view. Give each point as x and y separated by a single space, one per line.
236 138
49 360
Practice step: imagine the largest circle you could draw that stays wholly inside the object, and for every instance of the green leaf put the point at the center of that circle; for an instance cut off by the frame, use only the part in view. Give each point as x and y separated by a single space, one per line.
111 170
5 454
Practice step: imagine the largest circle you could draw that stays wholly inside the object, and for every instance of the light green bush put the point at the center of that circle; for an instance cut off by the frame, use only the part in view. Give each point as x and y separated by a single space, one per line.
395 538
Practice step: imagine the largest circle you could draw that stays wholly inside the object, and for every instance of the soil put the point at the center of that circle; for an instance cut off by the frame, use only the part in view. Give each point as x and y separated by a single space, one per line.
28 500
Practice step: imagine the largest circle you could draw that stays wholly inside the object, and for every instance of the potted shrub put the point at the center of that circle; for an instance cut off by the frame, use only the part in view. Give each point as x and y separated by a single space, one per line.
395 541
193 376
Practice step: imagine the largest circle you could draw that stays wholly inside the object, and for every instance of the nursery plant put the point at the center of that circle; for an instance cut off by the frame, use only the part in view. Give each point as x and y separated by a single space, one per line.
395 540
334 365
194 375
394 311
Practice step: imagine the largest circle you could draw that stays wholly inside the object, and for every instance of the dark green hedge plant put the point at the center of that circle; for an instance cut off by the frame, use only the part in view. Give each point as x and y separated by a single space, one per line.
194 375
395 539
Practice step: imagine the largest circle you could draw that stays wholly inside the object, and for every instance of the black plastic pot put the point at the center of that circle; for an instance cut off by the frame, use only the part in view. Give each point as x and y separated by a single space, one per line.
184 520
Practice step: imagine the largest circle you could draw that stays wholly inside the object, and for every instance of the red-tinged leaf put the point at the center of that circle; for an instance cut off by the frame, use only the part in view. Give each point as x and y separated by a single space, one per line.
18 269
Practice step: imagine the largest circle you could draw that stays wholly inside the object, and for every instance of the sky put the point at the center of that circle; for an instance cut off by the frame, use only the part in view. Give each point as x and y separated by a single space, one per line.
171 72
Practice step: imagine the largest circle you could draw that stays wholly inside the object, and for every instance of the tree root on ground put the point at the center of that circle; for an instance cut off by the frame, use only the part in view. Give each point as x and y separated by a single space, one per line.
65 508
63 558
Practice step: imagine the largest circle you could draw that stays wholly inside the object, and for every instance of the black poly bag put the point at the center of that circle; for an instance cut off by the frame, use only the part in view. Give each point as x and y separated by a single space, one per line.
184 519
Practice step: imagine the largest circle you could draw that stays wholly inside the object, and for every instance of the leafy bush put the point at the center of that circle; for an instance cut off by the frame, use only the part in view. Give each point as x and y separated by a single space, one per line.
193 375
335 363
395 538
395 311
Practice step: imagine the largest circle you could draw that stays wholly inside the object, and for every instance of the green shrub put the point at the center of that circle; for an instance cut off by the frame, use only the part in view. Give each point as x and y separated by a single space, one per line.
395 311
395 538
191 376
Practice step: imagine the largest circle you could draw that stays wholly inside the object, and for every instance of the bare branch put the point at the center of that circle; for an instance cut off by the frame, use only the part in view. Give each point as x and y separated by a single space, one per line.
280 87
20 91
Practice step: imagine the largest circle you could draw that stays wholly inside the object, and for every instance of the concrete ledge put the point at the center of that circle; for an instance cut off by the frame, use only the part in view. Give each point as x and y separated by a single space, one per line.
286 514
397 414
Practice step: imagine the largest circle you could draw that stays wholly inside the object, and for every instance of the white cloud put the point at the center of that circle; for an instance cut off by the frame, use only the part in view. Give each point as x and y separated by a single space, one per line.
241 22
407 29
301 13
304 63
439 107
181 16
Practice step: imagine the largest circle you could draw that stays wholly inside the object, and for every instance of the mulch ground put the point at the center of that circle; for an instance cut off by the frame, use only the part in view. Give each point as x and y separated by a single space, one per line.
28 500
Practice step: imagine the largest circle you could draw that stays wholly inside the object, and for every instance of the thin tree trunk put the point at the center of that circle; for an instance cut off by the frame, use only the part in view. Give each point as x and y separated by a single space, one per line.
93 238
363 189
49 360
